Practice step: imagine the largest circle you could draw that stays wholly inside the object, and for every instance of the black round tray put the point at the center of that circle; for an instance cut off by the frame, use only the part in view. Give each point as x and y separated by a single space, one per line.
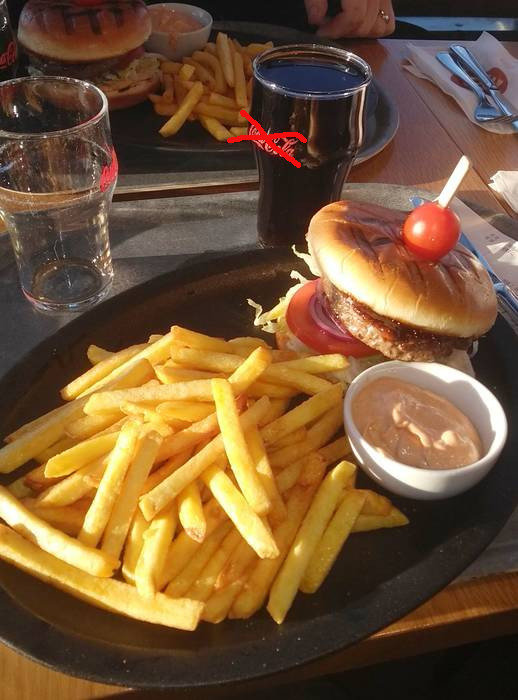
378 577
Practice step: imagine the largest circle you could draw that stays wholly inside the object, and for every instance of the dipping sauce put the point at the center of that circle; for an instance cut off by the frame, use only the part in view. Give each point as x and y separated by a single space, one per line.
415 426
174 22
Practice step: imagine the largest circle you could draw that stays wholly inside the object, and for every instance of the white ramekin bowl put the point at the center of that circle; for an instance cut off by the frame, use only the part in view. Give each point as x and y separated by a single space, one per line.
186 43
469 395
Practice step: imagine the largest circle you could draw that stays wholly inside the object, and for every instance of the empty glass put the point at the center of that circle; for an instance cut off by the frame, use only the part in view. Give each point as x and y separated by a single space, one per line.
58 171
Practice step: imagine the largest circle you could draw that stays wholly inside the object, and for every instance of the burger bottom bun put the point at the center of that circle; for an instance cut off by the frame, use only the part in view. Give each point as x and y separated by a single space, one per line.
121 99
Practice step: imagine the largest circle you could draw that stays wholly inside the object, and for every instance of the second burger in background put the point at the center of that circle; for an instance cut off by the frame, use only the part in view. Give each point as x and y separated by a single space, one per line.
101 42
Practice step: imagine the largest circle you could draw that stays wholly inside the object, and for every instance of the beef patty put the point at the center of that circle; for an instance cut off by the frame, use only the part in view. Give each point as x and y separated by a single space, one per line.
387 336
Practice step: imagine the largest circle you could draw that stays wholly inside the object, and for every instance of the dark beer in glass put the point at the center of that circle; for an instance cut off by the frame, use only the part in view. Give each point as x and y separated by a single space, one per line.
319 92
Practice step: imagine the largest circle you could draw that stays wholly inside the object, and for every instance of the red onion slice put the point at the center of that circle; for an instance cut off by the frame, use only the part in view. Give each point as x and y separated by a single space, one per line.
318 309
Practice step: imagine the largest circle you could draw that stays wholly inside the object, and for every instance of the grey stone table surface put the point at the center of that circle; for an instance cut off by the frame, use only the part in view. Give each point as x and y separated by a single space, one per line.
154 236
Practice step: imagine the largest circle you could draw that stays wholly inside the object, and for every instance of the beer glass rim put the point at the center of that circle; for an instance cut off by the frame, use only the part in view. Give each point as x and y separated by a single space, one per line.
85 85
288 49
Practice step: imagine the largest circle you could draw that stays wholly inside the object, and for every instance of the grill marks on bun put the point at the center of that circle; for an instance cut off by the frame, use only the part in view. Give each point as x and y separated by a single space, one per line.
67 31
358 247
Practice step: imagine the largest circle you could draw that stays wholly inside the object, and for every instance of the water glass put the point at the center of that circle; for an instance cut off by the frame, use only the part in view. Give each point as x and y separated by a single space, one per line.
58 170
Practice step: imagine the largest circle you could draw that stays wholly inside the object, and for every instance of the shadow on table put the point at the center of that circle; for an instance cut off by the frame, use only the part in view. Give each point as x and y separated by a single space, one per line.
481 670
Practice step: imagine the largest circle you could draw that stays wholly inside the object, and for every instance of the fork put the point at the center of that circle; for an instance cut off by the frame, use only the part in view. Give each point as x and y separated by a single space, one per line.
484 111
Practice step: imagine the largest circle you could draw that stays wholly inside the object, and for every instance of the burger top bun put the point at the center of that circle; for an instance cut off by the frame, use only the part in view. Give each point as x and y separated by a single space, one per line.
358 247
82 30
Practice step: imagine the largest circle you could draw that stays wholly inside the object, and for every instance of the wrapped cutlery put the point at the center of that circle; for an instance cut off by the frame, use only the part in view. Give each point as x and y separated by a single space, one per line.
422 62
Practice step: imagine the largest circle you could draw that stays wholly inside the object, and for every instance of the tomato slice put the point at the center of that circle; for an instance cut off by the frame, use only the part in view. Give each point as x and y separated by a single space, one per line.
302 324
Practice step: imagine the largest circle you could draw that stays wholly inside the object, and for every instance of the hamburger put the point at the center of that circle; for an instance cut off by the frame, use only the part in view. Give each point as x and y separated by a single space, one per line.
373 299
101 42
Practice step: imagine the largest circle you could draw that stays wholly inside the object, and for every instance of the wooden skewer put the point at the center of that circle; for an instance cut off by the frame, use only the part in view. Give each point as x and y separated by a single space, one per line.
454 182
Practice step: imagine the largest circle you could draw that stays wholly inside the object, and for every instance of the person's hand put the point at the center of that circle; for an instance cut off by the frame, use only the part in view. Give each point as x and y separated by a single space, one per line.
358 18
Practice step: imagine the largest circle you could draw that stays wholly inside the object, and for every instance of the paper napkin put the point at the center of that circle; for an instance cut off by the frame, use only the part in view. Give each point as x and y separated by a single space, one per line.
500 251
492 56
505 182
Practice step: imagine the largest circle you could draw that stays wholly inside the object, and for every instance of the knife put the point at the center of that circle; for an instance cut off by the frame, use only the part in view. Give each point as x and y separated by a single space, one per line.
503 291
466 60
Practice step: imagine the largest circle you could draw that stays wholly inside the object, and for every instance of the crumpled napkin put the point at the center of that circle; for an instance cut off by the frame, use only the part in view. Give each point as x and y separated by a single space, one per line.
500 251
505 182
492 56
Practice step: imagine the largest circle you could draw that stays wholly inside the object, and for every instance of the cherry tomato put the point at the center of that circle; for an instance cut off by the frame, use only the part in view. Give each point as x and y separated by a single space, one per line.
302 324
431 231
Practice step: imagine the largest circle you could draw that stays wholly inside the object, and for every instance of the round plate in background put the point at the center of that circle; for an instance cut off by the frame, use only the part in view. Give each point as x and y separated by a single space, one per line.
136 129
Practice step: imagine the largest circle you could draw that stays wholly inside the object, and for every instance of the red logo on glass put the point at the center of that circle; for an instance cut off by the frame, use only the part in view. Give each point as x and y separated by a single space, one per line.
280 144
109 172
9 55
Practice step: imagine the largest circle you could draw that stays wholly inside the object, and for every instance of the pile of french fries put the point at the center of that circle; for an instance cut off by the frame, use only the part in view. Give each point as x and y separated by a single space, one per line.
188 478
211 86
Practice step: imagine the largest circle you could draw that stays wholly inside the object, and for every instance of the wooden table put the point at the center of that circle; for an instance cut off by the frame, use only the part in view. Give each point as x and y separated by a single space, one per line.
433 134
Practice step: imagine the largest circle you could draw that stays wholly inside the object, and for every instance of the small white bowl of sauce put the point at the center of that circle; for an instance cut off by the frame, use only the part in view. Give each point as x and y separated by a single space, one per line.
178 29
423 430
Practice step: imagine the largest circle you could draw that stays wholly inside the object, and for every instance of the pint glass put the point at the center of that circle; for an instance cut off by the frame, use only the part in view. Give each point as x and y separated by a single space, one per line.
318 92
57 175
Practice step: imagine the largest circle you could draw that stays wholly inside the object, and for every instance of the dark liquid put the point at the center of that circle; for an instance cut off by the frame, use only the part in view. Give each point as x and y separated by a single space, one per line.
305 77
333 125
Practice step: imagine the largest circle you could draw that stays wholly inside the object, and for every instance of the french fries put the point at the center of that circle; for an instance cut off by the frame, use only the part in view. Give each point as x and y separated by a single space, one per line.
320 512
211 87
215 127
225 56
186 106
157 539
332 540
239 81
153 502
99 371
210 61
257 586
302 415
110 485
236 448
133 546
251 527
126 502
183 457
105 593
190 512
21 519
78 456
182 582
